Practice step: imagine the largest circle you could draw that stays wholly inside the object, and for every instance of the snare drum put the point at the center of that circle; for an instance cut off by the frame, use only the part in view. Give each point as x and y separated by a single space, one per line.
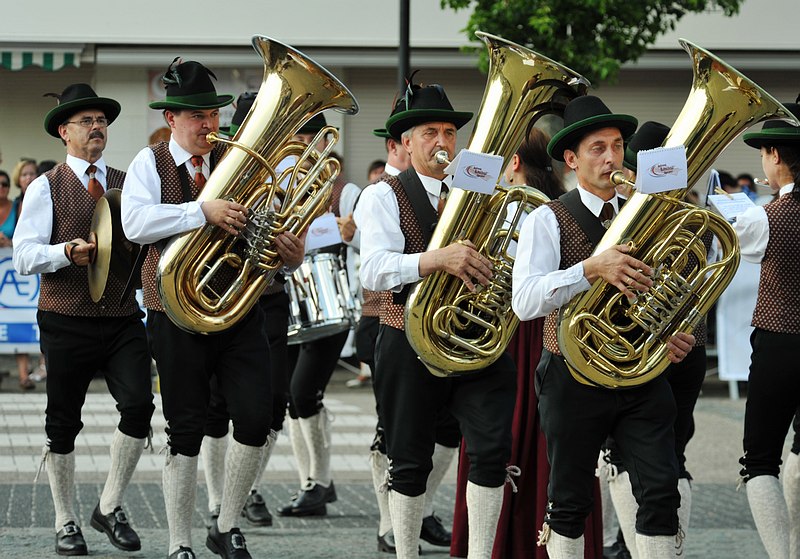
320 301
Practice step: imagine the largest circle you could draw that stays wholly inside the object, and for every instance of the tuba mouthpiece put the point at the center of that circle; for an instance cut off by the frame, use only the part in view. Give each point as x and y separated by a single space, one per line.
617 178
441 156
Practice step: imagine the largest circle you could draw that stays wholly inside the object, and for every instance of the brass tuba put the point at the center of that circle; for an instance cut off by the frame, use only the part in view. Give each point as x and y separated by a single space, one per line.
615 343
208 279
453 330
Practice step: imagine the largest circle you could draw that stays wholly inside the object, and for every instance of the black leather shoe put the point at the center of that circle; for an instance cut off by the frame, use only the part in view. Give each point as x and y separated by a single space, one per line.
69 540
182 553
386 543
255 511
230 545
617 551
116 527
310 501
434 532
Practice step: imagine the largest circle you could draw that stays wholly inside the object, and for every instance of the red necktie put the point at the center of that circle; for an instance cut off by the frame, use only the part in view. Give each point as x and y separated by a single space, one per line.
95 188
199 177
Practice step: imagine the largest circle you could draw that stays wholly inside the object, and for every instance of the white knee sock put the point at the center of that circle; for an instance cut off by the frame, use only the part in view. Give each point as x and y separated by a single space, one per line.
272 438
300 450
442 460
770 514
406 522
626 507
483 511
240 471
655 547
213 452
125 453
610 525
179 481
380 463
317 434
61 475
562 547
791 492
684 514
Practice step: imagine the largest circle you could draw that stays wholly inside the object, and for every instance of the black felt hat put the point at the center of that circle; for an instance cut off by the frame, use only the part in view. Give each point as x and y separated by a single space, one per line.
650 135
314 125
776 132
189 86
583 115
243 104
423 104
74 98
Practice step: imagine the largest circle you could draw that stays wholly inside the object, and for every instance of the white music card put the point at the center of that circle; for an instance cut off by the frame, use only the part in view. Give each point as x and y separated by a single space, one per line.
661 170
475 171
323 232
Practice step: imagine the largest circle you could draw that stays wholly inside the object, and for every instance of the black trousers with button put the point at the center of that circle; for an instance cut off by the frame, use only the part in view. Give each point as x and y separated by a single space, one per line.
75 349
576 419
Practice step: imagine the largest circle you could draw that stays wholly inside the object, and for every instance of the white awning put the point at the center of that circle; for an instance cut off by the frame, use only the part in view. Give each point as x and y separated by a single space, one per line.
17 58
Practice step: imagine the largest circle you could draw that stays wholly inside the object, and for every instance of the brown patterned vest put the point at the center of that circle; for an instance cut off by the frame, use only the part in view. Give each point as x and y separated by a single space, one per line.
66 291
170 194
575 247
391 313
778 304
371 304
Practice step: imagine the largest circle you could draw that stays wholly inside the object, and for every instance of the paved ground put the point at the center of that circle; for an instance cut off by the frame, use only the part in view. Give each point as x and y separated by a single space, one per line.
721 525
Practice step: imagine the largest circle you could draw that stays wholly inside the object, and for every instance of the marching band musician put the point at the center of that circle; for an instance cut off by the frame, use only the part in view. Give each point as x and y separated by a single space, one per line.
769 235
275 304
78 336
553 264
311 365
161 187
398 216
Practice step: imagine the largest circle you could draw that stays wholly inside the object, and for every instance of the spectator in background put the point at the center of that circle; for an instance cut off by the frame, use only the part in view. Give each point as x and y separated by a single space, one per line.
45 166
728 183
375 170
23 174
8 212
748 185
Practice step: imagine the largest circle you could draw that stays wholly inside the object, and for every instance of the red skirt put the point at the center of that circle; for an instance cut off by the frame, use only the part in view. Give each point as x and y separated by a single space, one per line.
522 514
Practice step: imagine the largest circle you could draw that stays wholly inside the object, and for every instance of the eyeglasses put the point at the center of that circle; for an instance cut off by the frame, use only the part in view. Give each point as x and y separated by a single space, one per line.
88 122
4 184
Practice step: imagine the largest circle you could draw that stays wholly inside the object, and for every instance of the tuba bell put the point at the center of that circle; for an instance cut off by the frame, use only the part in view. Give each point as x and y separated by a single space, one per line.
453 330
208 279
611 342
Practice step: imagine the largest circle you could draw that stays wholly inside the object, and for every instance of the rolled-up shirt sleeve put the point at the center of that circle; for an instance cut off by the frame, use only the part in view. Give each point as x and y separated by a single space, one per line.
538 286
384 267
144 218
33 253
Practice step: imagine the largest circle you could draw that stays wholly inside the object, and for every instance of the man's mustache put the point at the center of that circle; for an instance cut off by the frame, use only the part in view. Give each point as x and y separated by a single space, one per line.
97 134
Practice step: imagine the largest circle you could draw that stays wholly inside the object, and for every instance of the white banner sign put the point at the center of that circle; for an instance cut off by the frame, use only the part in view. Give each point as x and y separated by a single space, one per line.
19 296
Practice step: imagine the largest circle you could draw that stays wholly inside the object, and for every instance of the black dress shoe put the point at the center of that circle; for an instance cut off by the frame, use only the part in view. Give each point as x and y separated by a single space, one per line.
386 543
230 545
617 551
116 527
310 501
434 532
255 511
182 553
69 540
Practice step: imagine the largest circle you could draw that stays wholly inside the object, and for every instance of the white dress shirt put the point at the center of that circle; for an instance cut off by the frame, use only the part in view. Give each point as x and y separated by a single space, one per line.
33 253
752 228
383 264
538 286
145 219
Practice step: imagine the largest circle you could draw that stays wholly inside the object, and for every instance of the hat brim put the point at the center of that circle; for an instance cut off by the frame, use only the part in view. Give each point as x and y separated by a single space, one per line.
399 123
183 103
62 112
629 160
790 135
382 133
566 138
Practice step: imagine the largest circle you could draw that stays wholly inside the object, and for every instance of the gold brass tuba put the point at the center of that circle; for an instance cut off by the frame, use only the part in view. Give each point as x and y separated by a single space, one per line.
208 279
615 343
453 330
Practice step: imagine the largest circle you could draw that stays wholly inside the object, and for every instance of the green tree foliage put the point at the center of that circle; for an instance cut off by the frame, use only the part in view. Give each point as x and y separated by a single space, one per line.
593 37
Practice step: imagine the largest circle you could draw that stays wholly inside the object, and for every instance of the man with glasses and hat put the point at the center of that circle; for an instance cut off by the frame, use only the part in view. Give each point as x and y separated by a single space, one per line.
78 336
398 219
554 263
159 201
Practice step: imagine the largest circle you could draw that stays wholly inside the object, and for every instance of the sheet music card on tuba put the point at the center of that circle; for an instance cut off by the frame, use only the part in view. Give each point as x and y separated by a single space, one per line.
661 170
475 171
